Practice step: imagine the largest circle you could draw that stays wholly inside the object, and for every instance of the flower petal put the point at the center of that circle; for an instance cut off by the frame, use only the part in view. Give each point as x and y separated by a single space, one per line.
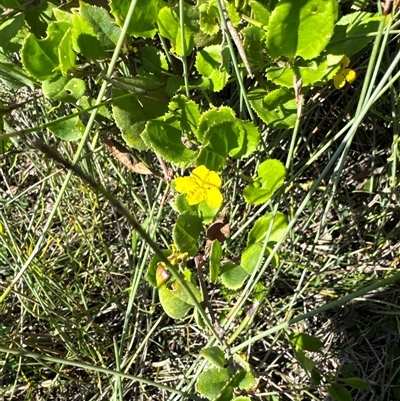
185 184
213 180
339 80
349 74
206 178
195 197
200 174
213 197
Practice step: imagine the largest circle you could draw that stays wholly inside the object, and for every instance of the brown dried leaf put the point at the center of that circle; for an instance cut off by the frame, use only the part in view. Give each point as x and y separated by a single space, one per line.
124 156
219 230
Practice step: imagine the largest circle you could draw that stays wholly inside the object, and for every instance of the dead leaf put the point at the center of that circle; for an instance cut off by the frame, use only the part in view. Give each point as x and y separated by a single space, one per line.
124 156
219 230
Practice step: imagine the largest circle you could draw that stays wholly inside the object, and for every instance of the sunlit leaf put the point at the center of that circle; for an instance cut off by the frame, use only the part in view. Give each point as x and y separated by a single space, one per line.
164 136
142 23
102 24
40 57
64 89
305 342
351 33
262 226
301 28
214 62
212 381
169 27
251 257
277 108
270 177
187 110
215 356
68 130
215 258
186 233
85 39
233 276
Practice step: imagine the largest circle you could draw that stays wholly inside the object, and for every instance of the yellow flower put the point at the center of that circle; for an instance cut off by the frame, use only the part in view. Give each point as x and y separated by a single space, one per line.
203 184
176 257
344 74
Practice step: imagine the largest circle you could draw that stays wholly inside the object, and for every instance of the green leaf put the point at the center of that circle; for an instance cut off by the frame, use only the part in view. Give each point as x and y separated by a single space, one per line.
305 342
215 257
153 61
316 378
164 136
69 130
142 23
211 118
231 10
85 40
14 77
173 306
212 381
261 227
9 28
169 27
131 114
64 89
40 57
152 269
339 393
271 176
175 300
307 363
249 381
209 18
254 43
5 144
38 17
184 296
214 62
248 138
219 137
242 398
66 55
351 33
277 108
186 233
181 205
207 212
310 72
103 112
251 257
259 12
301 28
356 382
214 355
188 112
174 84
64 16
103 26
233 276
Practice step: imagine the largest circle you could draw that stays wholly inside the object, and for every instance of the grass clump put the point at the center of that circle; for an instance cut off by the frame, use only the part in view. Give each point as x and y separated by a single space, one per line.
86 224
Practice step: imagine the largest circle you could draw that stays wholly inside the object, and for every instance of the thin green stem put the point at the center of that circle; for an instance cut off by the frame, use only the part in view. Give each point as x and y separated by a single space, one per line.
324 308
184 61
53 359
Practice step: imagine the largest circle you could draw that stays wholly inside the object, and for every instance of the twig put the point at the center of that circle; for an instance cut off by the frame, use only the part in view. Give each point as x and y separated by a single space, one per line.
236 39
